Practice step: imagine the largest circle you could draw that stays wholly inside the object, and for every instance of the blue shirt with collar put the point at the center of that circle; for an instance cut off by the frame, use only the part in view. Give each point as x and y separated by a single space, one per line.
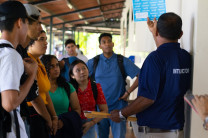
165 77
109 76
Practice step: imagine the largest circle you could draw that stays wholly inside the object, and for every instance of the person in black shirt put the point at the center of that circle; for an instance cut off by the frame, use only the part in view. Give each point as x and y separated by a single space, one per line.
34 30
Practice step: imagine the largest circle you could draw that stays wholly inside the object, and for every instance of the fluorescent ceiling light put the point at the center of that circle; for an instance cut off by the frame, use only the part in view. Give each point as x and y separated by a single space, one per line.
80 16
69 5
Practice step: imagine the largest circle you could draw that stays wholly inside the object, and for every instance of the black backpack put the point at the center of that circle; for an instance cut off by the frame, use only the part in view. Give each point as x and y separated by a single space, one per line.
120 64
5 118
65 70
5 121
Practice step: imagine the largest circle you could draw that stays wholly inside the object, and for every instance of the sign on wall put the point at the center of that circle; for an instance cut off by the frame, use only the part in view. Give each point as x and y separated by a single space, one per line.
148 8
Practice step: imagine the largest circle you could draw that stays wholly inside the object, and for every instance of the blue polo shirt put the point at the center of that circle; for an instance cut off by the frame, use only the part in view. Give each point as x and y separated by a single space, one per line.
109 76
165 77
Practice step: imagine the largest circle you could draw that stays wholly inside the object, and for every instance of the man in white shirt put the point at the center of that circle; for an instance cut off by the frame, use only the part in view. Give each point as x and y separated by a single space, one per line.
71 51
14 26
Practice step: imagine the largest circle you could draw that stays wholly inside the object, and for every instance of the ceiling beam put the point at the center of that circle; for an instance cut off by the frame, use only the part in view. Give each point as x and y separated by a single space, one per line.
89 18
41 8
99 28
98 1
41 2
90 24
114 9
97 23
82 10
80 15
79 20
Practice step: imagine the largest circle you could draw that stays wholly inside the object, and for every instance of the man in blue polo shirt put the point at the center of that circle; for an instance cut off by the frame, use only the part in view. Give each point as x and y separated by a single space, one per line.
108 74
164 79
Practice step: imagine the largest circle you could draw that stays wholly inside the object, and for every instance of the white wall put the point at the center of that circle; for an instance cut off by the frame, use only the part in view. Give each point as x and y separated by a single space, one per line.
189 14
140 39
200 75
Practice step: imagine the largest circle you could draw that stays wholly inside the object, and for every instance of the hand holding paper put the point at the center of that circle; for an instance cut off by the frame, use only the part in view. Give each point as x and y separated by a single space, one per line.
188 98
201 105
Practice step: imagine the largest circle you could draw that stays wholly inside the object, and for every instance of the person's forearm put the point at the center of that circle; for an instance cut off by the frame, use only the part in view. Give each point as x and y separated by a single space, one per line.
40 108
134 85
103 108
52 112
138 105
75 102
61 64
78 111
50 106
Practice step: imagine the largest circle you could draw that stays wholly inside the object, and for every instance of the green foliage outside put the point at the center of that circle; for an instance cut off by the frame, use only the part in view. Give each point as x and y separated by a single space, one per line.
89 43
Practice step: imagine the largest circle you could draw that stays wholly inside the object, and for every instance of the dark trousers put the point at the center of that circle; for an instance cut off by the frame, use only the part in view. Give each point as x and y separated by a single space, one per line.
38 127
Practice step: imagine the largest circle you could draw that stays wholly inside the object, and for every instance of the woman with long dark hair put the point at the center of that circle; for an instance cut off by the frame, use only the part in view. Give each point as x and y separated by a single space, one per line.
79 78
63 96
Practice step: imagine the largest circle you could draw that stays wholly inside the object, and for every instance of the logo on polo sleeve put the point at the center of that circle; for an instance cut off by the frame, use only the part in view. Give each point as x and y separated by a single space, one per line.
181 71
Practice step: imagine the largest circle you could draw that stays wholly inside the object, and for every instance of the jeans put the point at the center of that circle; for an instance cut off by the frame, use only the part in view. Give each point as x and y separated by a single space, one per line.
178 134
91 132
118 129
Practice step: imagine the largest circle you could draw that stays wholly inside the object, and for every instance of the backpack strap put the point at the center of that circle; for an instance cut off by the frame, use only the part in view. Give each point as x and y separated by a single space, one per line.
65 70
66 60
6 45
95 63
94 88
121 66
16 123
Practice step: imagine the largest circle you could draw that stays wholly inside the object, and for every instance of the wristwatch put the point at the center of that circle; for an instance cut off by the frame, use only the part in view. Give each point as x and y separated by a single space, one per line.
205 123
121 116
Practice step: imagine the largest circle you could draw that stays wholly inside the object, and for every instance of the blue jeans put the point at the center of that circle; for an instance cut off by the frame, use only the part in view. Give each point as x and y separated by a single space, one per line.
118 129
91 132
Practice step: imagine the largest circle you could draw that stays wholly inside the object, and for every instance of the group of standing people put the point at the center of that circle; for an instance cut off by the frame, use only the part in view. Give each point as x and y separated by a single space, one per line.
36 84
53 105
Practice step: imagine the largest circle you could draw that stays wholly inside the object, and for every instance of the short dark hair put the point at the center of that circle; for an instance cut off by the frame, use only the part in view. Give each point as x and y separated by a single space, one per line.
68 41
8 24
103 35
32 41
169 26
